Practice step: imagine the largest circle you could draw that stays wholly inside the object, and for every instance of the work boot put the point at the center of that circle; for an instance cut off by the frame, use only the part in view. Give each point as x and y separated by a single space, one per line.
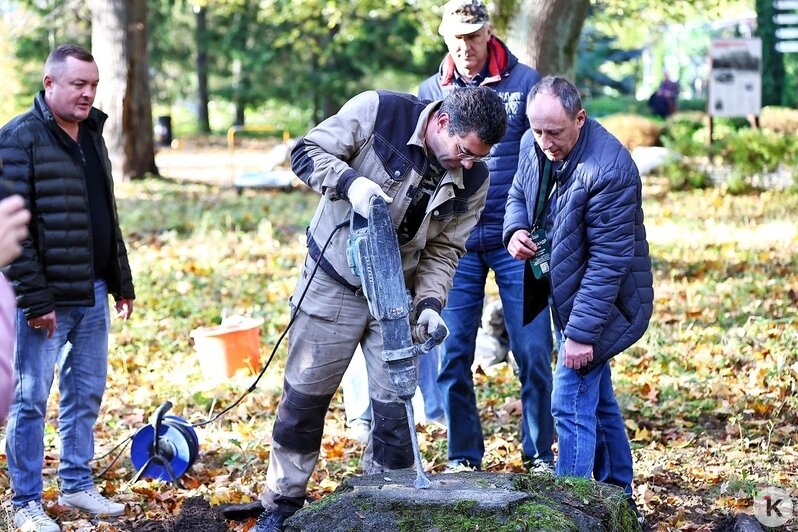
32 517
270 521
242 511
91 501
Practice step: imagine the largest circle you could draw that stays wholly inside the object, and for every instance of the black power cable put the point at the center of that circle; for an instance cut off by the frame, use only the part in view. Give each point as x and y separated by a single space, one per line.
257 379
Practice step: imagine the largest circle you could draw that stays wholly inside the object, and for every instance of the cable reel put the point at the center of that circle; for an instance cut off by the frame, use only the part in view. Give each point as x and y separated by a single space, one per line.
166 448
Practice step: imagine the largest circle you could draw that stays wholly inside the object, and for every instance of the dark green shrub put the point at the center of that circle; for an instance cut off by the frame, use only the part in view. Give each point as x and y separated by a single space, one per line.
680 134
685 174
737 185
609 105
754 151
692 105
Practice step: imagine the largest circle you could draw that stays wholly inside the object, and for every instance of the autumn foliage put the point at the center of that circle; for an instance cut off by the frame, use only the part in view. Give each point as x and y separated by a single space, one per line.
709 393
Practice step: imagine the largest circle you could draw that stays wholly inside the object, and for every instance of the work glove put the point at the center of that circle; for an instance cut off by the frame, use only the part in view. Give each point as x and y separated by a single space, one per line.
428 322
360 192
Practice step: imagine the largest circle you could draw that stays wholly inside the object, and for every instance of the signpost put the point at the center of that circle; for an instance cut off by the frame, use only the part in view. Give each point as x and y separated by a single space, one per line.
735 82
786 18
787 37
735 79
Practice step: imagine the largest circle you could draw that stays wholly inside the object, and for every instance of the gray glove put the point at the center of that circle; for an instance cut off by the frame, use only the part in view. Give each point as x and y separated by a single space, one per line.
428 322
360 192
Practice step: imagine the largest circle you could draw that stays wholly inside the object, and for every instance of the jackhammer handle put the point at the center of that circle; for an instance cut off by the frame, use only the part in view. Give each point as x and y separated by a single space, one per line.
437 337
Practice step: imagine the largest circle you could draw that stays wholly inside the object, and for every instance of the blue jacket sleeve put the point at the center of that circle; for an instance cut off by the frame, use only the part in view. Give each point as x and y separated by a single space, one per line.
525 185
610 236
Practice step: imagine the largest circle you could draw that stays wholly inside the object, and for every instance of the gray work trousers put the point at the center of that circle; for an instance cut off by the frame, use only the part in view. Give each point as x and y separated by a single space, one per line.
331 321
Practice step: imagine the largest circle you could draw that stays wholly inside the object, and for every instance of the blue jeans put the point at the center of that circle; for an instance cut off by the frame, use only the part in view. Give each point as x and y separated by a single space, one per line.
428 367
531 345
79 347
357 403
592 437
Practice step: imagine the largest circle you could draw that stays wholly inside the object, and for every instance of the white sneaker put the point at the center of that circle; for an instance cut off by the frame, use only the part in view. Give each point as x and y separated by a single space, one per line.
91 501
31 518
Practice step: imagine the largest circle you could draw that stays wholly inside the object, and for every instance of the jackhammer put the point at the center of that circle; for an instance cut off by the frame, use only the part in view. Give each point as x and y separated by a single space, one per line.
373 255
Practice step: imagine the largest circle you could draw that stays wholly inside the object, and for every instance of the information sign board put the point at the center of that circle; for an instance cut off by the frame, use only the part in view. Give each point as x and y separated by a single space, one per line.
735 82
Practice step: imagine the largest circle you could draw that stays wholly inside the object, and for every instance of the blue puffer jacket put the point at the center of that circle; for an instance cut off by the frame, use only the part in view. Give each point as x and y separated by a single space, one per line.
601 283
512 81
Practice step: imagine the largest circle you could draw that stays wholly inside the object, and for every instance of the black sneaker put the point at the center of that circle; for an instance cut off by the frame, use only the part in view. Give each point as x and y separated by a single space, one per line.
243 511
270 522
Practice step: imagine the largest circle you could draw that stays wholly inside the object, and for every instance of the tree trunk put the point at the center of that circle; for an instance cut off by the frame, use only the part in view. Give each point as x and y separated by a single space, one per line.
240 114
139 142
203 121
119 46
238 119
545 34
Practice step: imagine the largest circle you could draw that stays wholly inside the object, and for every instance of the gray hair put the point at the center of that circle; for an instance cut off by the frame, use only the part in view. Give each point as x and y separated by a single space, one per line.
563 89
476 109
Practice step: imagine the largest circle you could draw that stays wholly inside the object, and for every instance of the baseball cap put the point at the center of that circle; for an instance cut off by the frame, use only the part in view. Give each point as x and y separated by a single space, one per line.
461 17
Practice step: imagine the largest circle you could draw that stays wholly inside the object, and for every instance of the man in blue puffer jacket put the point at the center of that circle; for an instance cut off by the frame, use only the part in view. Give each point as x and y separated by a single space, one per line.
478 58
599 269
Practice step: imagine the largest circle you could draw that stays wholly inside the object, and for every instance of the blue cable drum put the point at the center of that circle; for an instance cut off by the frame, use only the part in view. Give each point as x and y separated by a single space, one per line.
172 454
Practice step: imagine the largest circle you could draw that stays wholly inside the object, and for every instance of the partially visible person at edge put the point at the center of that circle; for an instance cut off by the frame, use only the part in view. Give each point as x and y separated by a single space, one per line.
478 58
74 257
14 220
601 286
423 159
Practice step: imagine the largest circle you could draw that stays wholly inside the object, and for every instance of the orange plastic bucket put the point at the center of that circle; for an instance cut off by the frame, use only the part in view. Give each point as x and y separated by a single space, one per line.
229 347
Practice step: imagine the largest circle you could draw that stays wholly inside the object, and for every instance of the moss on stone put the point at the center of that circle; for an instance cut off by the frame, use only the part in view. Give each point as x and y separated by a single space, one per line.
460 518
582 488
320 504
586 491
533 482
530 515
621 515
364 505
539 516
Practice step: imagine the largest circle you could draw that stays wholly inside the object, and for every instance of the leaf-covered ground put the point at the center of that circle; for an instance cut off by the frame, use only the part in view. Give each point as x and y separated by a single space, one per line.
709 393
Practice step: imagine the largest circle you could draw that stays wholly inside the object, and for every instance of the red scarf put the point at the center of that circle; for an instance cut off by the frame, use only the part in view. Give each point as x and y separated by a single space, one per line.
497 63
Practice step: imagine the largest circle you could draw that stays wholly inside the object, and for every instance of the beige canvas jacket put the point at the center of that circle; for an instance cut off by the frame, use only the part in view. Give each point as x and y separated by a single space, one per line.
380 135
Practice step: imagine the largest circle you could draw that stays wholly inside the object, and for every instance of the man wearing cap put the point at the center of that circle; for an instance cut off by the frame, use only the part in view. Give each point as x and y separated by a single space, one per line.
478 58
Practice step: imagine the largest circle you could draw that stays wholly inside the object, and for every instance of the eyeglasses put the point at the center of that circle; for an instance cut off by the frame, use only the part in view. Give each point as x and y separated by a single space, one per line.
464 155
